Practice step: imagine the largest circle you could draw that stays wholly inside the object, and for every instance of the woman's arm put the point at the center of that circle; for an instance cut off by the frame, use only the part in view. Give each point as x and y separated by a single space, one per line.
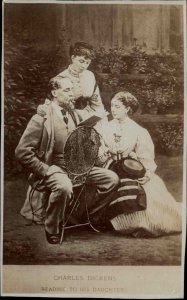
42 108
95 103
144 150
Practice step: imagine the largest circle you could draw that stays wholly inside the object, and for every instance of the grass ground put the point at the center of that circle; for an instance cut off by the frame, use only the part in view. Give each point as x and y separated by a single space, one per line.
25 244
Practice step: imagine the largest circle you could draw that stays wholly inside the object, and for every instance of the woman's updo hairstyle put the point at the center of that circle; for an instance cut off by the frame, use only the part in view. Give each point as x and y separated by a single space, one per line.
82 49
128 100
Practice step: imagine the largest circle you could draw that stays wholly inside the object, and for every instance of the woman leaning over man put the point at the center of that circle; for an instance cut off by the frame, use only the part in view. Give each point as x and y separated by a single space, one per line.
85 88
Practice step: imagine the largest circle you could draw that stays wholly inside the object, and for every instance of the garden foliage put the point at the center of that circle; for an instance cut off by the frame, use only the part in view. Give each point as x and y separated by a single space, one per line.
155 79
27 70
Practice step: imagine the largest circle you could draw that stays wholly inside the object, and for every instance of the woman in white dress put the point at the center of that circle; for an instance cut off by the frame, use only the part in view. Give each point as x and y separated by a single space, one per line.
85 88
125 138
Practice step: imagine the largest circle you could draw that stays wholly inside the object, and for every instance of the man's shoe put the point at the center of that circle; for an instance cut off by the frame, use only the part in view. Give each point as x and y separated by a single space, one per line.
52 238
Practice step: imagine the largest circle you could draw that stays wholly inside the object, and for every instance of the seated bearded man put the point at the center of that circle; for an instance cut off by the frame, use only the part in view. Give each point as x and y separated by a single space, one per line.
40 147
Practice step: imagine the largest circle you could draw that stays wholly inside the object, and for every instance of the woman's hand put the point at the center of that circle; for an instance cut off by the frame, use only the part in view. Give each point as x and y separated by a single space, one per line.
42 108
103 154
133 155
94 98
143 180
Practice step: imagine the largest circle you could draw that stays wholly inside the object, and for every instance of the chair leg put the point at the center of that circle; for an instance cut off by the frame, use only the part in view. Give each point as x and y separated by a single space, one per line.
62 229
87 213
93 227
62 235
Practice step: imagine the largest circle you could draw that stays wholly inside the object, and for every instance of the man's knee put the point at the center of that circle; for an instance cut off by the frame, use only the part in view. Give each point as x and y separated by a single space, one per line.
63 185
63 189
61 194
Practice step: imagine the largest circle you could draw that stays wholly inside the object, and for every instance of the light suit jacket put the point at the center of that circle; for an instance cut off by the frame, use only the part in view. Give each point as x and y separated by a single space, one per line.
35 152
35 149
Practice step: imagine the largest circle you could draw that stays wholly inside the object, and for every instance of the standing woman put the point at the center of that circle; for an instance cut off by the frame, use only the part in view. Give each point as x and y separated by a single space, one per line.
125 138
85 88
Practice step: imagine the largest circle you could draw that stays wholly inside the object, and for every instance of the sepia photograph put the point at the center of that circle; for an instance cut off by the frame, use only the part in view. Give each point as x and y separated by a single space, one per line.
93 148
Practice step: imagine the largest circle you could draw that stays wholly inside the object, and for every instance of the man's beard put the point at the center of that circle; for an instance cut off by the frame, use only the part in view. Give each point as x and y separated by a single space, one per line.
69 106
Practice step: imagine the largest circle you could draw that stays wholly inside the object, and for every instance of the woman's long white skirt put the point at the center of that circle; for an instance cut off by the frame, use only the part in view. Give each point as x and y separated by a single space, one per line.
162 215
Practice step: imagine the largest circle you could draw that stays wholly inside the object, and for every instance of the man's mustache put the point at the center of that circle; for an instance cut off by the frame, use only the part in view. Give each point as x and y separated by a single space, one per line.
68 105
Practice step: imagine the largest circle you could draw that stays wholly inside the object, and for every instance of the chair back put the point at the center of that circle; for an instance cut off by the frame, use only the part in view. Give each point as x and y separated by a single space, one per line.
80 153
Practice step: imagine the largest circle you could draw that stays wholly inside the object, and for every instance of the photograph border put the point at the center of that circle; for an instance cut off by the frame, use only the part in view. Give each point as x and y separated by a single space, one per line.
129 282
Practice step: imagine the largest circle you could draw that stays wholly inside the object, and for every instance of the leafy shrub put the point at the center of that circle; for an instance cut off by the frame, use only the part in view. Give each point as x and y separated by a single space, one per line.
27 71
161 86
109 61
170 138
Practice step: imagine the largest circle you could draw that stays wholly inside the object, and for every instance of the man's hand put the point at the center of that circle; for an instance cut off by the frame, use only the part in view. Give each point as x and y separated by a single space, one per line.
143 180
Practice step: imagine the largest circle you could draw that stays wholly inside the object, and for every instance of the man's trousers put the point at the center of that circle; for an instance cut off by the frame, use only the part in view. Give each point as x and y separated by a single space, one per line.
103 180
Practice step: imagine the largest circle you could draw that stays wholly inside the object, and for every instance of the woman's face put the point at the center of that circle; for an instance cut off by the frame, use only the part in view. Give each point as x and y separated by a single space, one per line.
80 63
118 110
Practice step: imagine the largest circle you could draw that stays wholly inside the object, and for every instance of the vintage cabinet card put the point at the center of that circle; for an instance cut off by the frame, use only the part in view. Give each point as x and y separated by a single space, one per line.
104 211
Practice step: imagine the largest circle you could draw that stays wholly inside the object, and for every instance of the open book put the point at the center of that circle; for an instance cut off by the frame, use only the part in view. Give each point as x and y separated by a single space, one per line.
91 121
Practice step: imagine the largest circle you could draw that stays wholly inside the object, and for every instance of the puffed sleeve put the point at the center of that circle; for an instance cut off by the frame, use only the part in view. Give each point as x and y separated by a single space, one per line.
145 151
95 100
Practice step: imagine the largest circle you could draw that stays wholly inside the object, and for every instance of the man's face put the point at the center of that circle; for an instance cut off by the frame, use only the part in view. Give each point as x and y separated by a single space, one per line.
64 95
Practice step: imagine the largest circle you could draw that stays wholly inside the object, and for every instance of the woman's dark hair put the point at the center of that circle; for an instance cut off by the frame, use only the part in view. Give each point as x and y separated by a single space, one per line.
82 49
128 100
